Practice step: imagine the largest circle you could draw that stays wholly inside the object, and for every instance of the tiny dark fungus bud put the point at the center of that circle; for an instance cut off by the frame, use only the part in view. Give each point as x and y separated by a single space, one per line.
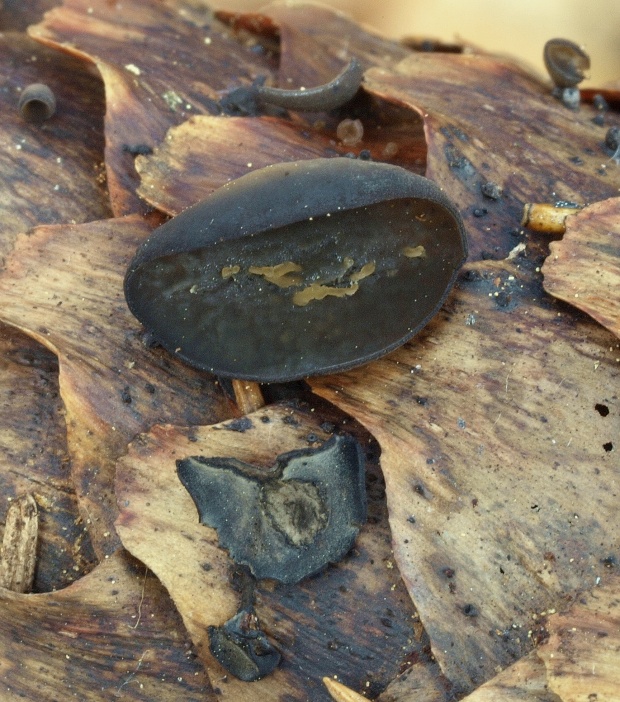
138 149
470 610
37 103
612 138
491 190
599 103
242 648
570 97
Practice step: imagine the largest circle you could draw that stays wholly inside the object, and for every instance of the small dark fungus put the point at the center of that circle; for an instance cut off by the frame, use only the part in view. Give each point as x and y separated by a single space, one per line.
305 514
242 648
566 62
37 103
138 149
599 103
318 266
612 138
570 97
470 610
491 190
322 98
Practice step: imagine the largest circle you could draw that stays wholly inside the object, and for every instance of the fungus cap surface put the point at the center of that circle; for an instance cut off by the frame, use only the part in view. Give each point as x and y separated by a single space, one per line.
299 269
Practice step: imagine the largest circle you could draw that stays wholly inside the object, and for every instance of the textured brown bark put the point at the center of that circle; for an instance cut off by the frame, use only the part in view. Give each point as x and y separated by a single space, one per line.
19 545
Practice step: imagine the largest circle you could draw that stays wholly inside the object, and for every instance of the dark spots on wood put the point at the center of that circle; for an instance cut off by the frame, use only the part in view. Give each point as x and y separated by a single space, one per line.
452 130
612 138
241 424
469 610
503 299
608 446
138 149
603 410
419 489
458 162
491 190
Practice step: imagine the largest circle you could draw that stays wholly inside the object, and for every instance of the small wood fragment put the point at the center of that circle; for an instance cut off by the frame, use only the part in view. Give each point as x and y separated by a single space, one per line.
19 545
248 395
342 693
546 217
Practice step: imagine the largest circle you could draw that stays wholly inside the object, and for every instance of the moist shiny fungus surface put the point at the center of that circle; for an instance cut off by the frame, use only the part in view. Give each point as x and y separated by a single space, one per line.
299 269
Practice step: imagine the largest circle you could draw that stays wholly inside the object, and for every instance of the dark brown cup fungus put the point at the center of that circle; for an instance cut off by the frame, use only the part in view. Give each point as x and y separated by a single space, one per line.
291 523
37 103
299 269
566 63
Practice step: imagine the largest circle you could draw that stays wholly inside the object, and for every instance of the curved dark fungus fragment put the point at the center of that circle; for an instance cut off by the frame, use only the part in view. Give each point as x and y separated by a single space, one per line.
322 98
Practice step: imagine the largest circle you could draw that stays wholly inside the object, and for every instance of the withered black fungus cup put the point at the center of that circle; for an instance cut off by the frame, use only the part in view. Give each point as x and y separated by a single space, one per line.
299 269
